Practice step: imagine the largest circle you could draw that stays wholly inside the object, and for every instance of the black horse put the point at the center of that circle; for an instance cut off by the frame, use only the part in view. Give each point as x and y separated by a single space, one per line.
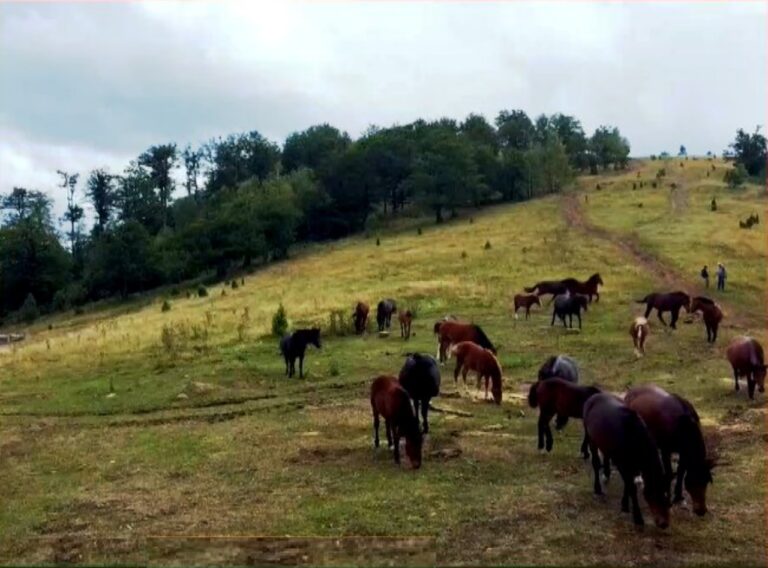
294 346
671 302
569 305
420 377
384 312
560 366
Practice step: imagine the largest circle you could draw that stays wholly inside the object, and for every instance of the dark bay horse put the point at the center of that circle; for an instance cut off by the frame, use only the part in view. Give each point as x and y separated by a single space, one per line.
569 305
621 435
746 357
294 346
568 285
472 357
639 331
405 317
452 332
360 317
390 400
712 313
671 302
560 366
384 312
675 427
420 376
559 397
526 301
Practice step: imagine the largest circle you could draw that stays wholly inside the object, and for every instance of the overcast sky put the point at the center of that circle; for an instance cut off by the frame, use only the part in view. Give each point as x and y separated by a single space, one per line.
93 84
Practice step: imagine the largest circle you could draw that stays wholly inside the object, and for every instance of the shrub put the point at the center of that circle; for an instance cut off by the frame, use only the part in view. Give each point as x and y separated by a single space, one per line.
378 241
653 157
634 186
653 185
487 245
166 306
463 254
280 322
333 368
202 291
235 285
418 231
713 205
29 311
735 177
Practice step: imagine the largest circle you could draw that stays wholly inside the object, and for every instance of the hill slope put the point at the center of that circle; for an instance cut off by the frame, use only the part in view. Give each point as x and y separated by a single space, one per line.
204 437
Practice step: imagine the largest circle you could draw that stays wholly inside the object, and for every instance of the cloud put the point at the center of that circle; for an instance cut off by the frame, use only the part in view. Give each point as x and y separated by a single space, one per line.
100 82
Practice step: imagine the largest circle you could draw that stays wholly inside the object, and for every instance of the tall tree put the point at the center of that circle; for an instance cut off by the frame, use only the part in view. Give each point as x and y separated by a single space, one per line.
137 200
161 161
100 190
515 129
74 212
610 147
750 151
238 158
317 148
24 203
192 161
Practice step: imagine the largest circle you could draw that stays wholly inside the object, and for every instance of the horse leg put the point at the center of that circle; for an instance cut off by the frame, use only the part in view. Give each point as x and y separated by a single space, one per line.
293 367
637 516
714 332
416 410
388 428
681 471
562 317
648 309
424 412
578 316
540 430
459 364
585 447
751 385
301 366
287 365
396 441
548 433
661 319
597 296
625 499
606 468
675 315
666 462
596 468
375 429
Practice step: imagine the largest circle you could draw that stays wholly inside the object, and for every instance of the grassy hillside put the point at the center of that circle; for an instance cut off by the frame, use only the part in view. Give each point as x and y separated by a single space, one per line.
204 453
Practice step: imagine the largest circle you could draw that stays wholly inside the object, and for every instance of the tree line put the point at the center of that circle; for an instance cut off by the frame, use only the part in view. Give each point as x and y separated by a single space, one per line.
243 200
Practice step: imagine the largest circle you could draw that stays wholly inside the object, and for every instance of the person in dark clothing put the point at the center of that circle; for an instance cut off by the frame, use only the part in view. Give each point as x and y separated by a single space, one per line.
721 276
705 276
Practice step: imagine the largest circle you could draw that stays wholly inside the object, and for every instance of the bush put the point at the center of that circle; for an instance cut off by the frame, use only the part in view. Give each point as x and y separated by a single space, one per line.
487 245
333 368
235 285
463 254
418 231
29 311
166 306
280 322
378 241
202 291
653 157
736 177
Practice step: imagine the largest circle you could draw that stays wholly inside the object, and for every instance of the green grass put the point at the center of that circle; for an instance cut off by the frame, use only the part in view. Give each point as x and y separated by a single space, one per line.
209 440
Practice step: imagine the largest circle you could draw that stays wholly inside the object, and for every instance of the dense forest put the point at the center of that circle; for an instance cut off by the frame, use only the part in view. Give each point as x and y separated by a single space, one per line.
244 201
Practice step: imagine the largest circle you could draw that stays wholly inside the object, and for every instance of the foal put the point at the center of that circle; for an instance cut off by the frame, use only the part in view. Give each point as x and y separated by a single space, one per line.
712 313
526 301
405 317
472 357
390 400
639 332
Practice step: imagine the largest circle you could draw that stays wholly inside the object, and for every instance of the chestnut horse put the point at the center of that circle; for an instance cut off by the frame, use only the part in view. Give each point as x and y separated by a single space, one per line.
472 357
623 438
405 317
565 399
712 313
452 332
526 301
746 357
360 316
390 400
557 287
639 331
420 376
671 302
675 427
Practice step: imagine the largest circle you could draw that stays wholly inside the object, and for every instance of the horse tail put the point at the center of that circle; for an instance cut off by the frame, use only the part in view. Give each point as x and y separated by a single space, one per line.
532 288
533 396
644 300
482 339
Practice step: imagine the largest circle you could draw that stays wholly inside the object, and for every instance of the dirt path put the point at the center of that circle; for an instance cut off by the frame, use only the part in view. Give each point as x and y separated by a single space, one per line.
669 277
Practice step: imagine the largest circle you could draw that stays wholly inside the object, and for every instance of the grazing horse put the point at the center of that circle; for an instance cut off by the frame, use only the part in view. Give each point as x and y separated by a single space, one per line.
569 305
390 400
671 302
746 357
639 331
452 332
420 376
565 399
675 427
384 312
561 367
472 357
622 437
405 317
526 301
557 287
712 313
294 346
360 316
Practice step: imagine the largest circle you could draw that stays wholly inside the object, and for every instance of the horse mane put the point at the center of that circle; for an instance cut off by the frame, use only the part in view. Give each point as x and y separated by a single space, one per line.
482 339
546 368
704 300
436 328
594 278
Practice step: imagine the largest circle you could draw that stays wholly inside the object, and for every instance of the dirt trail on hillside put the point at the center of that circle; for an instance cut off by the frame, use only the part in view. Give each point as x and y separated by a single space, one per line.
668 276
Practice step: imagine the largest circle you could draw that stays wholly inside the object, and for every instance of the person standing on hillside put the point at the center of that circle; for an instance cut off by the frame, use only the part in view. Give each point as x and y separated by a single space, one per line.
705 276
721 276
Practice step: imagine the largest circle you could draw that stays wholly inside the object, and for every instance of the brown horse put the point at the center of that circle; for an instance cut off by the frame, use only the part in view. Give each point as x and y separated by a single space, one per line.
675 427
390 400
562 398
472 357
639 331
526 301
452 332
746 357
360 316
623 438
405 317
712 313
557 287
671 302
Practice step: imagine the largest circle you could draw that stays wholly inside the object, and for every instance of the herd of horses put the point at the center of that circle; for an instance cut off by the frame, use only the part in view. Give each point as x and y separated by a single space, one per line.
638 432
